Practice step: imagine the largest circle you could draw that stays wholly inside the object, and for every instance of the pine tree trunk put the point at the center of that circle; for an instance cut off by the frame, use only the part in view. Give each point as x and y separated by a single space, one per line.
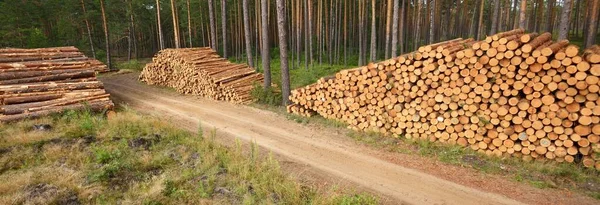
360 33
175 24
388 28
345 32
320 32
401 25
213 28
577 14
331 32
189 23
247 33
494 26
202 31
336 32
160 33
133 33
586 20
563 31
257 28
395 29
266 58
89 31
515 20
306 36
480 22
431 21
298 31
550 17
130 33
373 32
531 22
417 38
522 12
443 33
540 15
224 26
285 77
106 35
592 25
310 31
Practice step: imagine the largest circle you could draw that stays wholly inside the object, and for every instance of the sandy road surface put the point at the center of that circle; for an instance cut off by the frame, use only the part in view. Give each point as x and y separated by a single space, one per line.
301 144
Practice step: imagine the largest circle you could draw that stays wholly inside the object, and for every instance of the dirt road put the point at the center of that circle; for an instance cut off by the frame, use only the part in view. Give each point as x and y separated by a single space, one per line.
301 144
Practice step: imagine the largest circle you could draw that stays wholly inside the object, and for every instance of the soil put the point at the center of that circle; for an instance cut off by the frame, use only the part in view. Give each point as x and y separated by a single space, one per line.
325 156
40 193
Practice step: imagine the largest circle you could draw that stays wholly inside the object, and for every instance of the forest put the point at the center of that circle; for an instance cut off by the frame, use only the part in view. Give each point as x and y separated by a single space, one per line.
329 31
333 32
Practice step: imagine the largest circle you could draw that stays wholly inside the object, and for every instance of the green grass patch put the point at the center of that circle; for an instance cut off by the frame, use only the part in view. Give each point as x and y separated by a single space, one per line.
131 158
134 64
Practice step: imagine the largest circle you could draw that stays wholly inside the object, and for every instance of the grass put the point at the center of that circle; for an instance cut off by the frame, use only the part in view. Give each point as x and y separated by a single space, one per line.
132 158
133 65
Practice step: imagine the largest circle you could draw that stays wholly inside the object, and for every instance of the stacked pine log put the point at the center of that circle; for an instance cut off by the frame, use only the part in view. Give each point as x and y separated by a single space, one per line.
37 82
513 94
200 71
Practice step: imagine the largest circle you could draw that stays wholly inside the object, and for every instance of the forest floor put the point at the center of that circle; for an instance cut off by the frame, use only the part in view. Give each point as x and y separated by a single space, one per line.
324 154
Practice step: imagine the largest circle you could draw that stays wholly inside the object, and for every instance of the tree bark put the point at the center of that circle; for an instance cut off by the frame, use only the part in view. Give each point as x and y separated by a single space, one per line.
360 33
522 12
285 77
299 32
388 28
563 31
160 35
431 21
332 32
130 35
577 14
309 35
247 33
550 19
189 23
106 35
320 30
400 23
175 24
514 17
89 31
480 22
213 29
540 14
395 29
266 58
306 36
345 32
592 25
494 26
373 32
224 26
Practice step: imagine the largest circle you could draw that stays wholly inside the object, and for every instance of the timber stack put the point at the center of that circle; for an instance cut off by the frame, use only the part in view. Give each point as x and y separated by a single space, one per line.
42 81
201 71
513 94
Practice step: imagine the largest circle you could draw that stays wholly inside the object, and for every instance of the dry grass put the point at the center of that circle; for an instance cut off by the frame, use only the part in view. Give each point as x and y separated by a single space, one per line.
137 159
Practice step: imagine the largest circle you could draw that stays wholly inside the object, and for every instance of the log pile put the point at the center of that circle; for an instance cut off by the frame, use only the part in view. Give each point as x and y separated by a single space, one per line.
200 71
512 94
38 82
